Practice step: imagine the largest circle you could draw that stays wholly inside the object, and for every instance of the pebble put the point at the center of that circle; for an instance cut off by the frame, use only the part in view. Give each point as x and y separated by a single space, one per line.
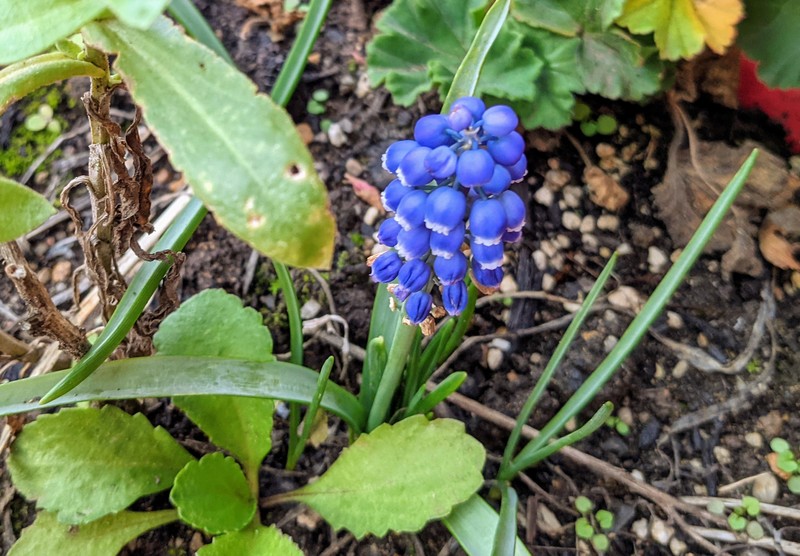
570 220
548 283
556 179
544 196
640 529
625 297
625 415
656 259
609 343
546 521
305 132
44 275
336 135
310 309
766 488
674 320
508 284
604 150
535 358
608 222
677 547
590 241
624 249
549 248
540 260
196 543
638 475
371 216
702 340
353 167
62 271
754 439
494 358
680 369
661 532
722 455
362 86
563 242
610 316
347 125
588 224
501 343
660 372
572 196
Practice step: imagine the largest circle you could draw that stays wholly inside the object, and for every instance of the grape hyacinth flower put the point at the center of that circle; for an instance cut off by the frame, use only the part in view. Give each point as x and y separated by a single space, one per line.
452 187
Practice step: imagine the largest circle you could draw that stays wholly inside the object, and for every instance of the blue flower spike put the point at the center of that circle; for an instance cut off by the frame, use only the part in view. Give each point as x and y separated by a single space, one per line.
452 186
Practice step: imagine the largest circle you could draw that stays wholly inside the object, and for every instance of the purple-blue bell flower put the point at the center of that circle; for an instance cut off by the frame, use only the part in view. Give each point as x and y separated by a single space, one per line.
475 167
431 131
507 150
387 233
455 297
519 169
445 209
500 181
499 120
460 117
395 153
515 209
413 243
410 212
447 245
386 267
412 172
393 194
485 277
475 105
418 306
451 270
414 275
487 221
488 257
441 162
512 237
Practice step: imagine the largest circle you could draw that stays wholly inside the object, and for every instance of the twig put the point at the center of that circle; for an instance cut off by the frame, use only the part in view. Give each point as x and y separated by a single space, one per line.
782 547
736 485
527 294
51 148
771 509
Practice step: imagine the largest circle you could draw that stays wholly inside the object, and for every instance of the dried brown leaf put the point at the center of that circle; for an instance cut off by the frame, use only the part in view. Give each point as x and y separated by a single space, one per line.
366 192
779 238
604 190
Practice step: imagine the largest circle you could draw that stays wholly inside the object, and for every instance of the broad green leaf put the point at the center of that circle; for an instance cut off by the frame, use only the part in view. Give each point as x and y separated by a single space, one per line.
568 17
681 27
139 14
398 477
769 34
103 537
214 323
22 78
21 209
262 540
85 463
29 26
213 495
163 376
779 445
473 523
237 148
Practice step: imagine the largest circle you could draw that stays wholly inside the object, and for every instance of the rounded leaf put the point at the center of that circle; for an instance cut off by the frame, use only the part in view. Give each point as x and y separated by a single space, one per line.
262 540
21 209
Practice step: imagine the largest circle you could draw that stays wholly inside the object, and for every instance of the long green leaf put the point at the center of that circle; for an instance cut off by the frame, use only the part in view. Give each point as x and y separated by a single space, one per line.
473 524
187 14
506 535
22 78
21 209
164 376
469 71
638 328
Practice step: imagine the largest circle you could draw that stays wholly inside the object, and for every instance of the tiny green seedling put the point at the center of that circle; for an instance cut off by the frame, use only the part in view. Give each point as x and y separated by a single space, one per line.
618 425
604 124
743 518
316 104
593 527
786 461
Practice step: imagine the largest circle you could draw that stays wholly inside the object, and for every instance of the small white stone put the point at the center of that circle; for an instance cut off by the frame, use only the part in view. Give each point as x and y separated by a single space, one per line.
766 488
660 372
535 358
677 547
625 297
544 196
549 248
362 87
754 439
625 415
640 529
347 125
624 249
508 284
680 369
563 241
722 455
540 260
548 283
656 259
608 222
589 241
588 224
638 475
661 532
572 196
353 167
310 309
570 220
336 135
501 343
494 358
371 216
557 261
674 320
609 343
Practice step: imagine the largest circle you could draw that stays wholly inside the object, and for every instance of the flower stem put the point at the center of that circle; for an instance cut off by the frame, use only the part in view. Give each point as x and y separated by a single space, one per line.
398 353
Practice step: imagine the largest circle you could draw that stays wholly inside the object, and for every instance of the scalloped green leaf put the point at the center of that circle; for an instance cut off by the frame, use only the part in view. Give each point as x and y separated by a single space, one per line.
216 324
769 34
262 540
85 463
139 14
21 209
28 27
568 17
213 495
103 537
237 148
398 477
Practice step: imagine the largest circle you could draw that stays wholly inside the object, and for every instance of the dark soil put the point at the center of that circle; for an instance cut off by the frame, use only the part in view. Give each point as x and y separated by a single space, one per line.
715 314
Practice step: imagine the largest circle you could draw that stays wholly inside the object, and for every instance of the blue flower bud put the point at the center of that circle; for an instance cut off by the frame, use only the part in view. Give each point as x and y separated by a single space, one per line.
485 277
488 257
418 306
451 270
395 153
387 233
512 237
431 131
487 221
414 275
441 162
412 172
500 181
507 150
514 208
455 297
499 120
413 243
475 105
393 194
475 167
386 267
445 209
447 244
411 210
519 169
460 118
